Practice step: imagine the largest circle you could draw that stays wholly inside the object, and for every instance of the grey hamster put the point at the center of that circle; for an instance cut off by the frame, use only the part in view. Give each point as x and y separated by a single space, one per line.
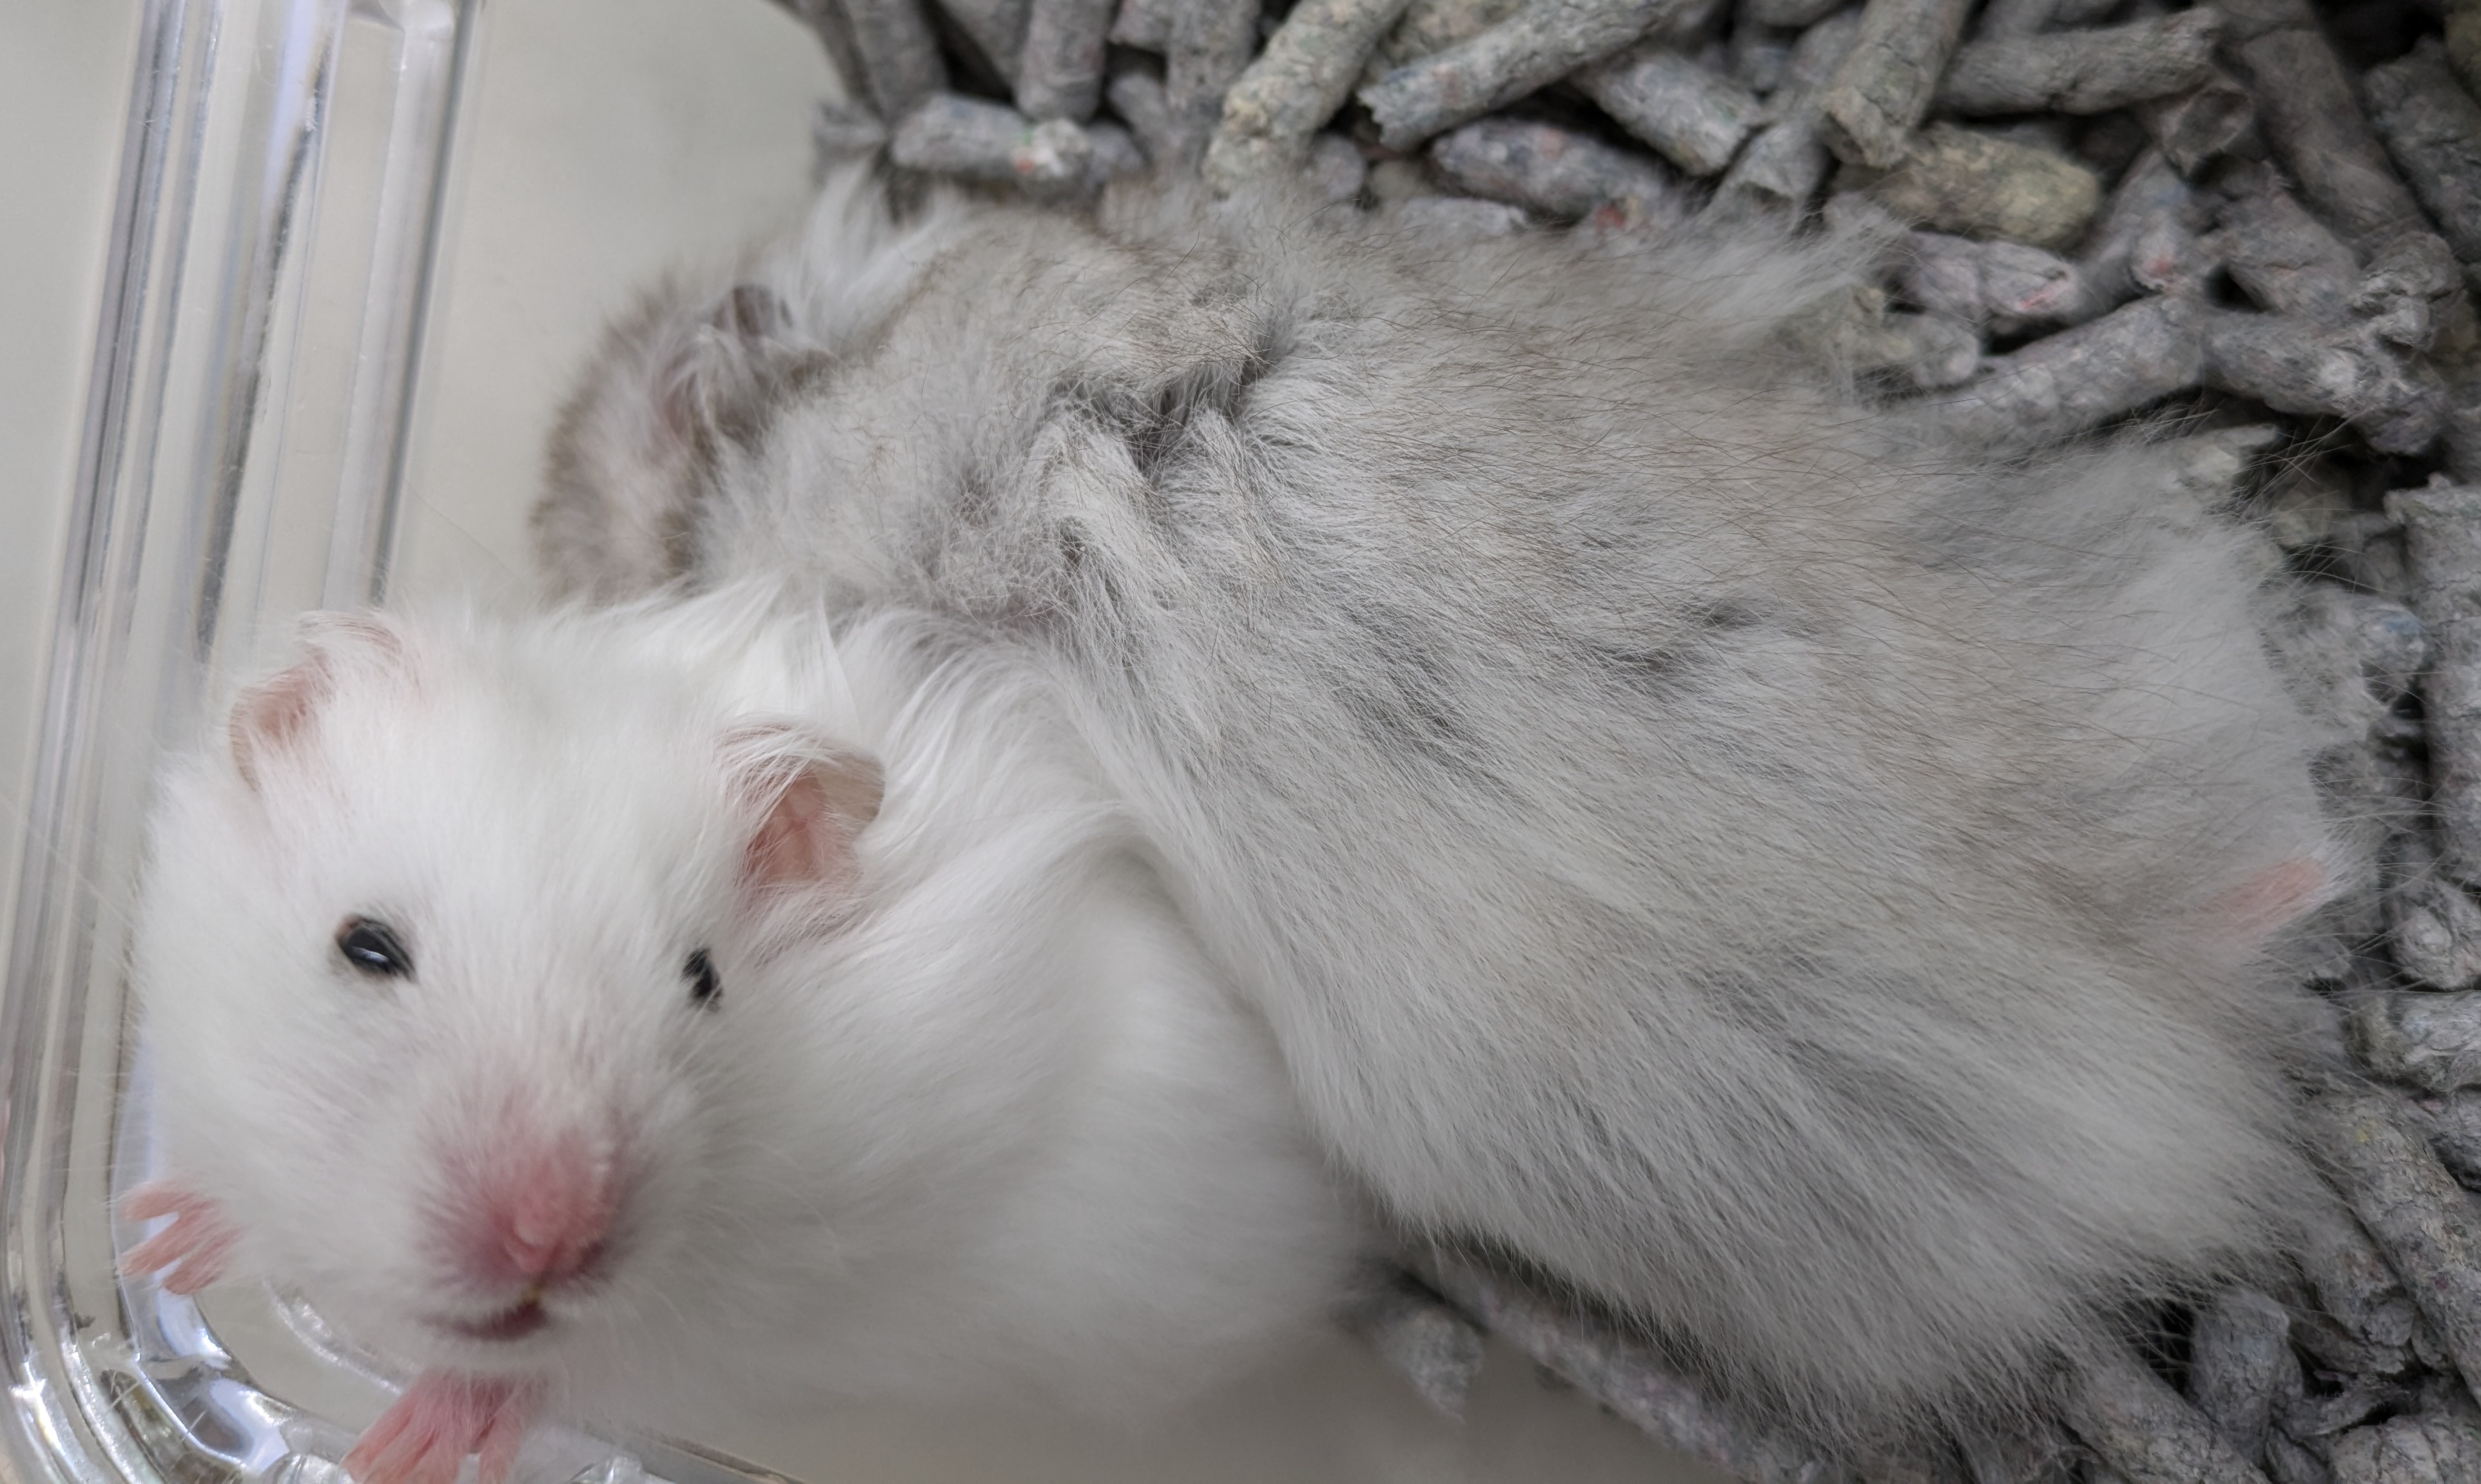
1807 881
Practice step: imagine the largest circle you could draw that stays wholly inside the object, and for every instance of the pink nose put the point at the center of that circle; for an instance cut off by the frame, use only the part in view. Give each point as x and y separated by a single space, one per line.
545 1210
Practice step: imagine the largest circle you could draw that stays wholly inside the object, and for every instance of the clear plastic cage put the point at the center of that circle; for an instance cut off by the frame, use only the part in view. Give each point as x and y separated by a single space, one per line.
278 219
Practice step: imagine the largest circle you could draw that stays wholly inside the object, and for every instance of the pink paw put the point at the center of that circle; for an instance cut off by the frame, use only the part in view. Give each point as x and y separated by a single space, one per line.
441 1419
200 1240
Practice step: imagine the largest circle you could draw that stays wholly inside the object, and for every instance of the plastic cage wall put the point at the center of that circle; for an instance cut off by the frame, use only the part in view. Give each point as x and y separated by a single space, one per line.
277 216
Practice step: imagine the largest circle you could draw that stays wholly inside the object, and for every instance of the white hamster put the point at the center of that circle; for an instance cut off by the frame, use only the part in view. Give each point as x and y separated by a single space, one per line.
679 1004
1806 880
1803 880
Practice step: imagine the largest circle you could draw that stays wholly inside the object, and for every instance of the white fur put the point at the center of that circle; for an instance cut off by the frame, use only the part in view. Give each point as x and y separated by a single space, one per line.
1001 1131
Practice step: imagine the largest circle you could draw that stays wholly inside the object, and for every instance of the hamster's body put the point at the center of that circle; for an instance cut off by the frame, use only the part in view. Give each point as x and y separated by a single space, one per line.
973 1117
1785 871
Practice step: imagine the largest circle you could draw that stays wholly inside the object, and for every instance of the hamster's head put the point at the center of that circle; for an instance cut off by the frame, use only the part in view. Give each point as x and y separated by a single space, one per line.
437 957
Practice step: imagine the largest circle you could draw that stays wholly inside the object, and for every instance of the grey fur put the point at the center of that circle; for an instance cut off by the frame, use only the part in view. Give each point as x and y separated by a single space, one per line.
1734 848
677 375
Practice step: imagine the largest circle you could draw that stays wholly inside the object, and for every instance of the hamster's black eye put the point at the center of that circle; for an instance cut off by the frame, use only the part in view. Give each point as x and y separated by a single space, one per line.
373 948
706 991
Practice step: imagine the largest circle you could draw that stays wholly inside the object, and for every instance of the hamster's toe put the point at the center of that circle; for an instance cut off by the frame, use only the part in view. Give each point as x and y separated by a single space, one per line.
439 1420
195 1247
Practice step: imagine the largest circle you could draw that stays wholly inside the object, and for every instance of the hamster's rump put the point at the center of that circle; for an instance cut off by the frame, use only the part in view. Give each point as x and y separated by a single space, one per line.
1801 878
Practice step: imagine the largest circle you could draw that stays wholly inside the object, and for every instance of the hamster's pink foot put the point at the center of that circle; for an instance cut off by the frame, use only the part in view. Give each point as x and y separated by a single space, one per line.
2272 900
441 1419
196 1246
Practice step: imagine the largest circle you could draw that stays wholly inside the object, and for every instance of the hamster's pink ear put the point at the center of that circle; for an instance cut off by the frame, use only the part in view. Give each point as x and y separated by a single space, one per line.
811 798
279 713
275 715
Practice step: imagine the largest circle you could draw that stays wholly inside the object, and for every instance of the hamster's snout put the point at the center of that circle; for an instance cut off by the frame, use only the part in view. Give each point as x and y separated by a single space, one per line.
535 1220
543 1221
